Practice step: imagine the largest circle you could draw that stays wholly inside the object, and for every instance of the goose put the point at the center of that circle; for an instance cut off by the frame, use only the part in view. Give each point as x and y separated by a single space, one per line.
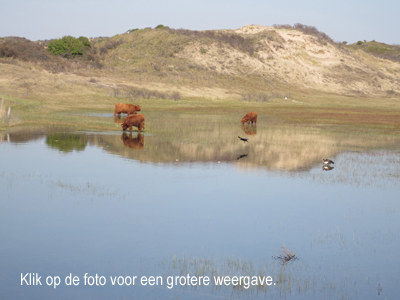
327 161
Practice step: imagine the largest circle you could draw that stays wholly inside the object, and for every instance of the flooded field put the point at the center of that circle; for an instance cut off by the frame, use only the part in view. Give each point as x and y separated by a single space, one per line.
188 198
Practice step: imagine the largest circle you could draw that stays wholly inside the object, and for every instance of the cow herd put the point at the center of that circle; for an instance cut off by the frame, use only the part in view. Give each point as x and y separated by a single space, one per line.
133 119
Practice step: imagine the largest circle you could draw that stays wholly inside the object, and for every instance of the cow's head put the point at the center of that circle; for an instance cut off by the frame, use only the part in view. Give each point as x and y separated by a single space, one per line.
124 126
138 108
244 120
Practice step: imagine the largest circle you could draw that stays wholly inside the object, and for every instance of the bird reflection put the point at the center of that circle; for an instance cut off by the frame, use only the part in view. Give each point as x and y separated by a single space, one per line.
243 139
327 168
135 143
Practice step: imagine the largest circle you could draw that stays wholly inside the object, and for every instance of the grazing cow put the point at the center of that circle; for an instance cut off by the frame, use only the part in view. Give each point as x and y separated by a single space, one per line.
250 118
135 120
135 143
129 109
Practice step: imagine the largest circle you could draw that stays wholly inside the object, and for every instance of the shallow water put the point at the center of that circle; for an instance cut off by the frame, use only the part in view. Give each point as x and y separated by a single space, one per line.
196 200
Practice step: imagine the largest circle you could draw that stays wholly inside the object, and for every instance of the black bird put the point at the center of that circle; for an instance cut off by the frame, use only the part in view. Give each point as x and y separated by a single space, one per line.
241 156
327 161
243 139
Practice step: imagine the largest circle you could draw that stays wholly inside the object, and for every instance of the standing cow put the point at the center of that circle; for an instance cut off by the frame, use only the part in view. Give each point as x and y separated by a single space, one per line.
129 109
250 118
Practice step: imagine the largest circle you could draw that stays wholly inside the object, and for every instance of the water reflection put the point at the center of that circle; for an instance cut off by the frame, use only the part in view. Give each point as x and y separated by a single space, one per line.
67 142
334 228
327 168
209 139
22 136
249 129
135 143
118 119
241 156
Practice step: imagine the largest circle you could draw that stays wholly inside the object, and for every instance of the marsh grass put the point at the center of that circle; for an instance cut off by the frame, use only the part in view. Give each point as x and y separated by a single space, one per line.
285 255
87 188
289 279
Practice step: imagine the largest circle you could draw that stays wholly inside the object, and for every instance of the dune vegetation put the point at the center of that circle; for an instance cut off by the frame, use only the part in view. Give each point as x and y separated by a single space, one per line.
294 75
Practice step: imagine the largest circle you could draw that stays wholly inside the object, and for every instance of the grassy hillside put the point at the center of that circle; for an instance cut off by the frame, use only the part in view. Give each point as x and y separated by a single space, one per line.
390 52
294 73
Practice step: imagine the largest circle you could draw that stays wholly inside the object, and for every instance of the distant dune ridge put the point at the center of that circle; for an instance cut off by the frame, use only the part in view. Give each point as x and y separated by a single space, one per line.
219 63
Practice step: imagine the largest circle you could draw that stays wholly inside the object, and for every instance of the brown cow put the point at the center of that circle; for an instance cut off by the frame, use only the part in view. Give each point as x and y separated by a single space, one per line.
250 118
129 109
135 120
135 143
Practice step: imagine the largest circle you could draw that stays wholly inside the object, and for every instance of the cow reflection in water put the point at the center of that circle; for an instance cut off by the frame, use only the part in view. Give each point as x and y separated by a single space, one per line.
249 129
135 143
118 119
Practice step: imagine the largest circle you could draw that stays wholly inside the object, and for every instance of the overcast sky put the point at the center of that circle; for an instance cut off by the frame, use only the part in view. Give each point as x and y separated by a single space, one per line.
342 20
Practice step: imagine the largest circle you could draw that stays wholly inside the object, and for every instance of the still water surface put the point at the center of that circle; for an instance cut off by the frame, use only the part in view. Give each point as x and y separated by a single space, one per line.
199 202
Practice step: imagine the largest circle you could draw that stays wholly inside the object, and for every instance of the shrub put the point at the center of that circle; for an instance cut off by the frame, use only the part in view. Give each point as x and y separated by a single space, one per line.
114 44
282 26
67 45
137 93
160 26
311 30
85 41
359 43
236 41
22 49
7 51
255 97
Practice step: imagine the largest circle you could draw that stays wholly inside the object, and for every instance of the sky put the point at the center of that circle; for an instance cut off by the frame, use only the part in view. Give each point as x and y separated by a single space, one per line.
350 20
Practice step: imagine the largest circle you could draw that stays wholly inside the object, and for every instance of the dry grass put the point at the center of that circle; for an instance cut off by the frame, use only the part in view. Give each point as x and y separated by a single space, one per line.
285 255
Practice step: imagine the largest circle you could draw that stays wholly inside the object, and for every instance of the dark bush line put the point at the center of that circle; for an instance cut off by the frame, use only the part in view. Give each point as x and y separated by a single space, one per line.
234 40
262 97
148 94
393 53
21 49
389 56
109 45
255 97
136 93
323 38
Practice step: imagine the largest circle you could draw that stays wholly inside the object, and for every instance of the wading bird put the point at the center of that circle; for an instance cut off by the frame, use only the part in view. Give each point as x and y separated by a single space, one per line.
327 161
